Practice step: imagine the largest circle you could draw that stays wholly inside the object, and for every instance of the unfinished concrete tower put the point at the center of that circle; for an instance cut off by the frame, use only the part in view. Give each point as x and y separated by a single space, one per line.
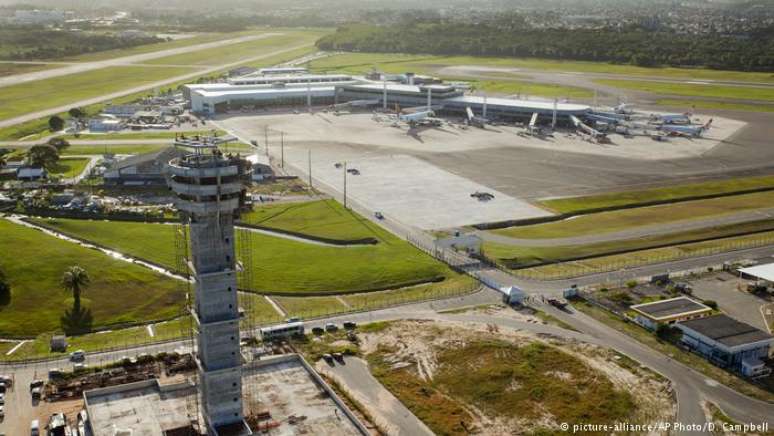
210 189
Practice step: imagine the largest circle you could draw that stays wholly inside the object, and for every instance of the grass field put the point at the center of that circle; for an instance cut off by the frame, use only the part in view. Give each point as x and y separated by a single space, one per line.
691 360
397 63
124 135
235 52
278 264
69 167
524 88
322 218
115 149
119 292
8 69
677 192
309 307
520 256
694 90
719 105
605 222
644 257
24 98
472 376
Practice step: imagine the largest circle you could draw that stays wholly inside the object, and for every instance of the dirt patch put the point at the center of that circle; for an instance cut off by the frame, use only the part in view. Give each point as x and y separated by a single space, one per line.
533 382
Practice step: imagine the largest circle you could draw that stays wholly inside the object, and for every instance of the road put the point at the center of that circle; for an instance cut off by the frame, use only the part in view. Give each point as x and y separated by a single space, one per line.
80 67
634 232
387 411
86 102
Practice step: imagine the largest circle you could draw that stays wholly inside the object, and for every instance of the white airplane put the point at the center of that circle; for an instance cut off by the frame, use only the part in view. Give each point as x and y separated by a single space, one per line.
685 131
672 118
415 118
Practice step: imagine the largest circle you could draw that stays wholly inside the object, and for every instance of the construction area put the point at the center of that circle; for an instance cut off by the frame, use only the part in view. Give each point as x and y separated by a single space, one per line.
283 397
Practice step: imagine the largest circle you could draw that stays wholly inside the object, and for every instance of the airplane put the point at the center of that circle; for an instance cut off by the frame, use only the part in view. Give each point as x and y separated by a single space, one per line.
685 131
672 118
624 109
476 120
605 118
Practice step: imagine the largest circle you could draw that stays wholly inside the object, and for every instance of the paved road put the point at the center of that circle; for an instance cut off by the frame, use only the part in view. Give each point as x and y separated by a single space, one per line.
387 411
633 233
73 68
203 72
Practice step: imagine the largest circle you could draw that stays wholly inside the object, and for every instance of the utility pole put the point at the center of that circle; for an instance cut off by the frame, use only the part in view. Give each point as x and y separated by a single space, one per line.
266 138
345 184
282 149
310 167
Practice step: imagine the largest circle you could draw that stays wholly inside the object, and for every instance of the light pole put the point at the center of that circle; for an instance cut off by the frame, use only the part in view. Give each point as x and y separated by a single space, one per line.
345 184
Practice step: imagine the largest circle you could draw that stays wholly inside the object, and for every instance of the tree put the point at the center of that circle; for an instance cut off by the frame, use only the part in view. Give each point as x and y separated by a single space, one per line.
76 112
44 156
56 123
5 290
75 279
58 143
712 304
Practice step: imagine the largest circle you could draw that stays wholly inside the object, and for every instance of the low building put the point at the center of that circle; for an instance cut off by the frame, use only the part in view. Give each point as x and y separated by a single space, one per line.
142 169
104 124
729 343
671 311
241 71
31 174
122 110
262 169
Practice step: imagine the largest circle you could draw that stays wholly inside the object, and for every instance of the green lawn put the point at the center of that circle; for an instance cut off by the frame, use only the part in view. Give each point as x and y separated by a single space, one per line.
526 88
310 307
520 256
644 257
719 105
235 52
322 218
8 69
694 90
604 222
676 192
119 292
123 135
398 63
34 96
278 264
69 167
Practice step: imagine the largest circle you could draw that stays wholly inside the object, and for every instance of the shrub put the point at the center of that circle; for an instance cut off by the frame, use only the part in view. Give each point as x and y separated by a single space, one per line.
631 284
712 304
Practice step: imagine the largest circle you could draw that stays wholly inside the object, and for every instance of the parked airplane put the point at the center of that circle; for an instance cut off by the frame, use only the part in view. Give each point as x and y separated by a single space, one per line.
686 131
672 118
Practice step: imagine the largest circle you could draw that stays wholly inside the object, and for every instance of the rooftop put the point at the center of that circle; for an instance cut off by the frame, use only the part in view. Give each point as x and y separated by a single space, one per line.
727 330
670 308
764 272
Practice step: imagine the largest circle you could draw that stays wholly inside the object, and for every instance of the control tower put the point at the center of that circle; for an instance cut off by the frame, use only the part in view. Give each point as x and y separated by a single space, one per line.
210 191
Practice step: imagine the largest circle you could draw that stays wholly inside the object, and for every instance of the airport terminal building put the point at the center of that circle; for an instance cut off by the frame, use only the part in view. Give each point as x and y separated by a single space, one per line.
299 89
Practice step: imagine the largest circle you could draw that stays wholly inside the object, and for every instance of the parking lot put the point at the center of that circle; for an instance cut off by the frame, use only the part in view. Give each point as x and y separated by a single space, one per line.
729 292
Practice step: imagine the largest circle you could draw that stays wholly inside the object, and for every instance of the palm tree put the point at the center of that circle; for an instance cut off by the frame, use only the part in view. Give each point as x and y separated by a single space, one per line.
75 279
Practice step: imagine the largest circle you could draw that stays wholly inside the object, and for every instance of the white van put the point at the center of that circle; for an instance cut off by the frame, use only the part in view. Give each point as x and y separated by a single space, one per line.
35 428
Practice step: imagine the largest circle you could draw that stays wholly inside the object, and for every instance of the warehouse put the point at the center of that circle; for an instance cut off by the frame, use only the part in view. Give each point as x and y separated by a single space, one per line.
651 315
729 343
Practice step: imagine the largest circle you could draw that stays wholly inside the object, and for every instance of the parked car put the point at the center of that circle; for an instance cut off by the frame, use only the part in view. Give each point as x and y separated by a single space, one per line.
331 327
54 373
328 358
6 379
293 319
35 428
36 393
317 331
339 357
2 399
378 215
350 325
2 412
36 384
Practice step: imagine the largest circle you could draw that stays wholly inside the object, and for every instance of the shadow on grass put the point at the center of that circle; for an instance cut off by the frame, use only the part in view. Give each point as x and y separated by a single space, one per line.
77 321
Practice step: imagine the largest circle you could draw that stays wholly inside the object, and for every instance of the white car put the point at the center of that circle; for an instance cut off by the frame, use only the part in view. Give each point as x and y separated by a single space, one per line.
2 411
2 399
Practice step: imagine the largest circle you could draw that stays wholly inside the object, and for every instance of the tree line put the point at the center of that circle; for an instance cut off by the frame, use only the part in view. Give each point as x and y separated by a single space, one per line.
34 43
629 45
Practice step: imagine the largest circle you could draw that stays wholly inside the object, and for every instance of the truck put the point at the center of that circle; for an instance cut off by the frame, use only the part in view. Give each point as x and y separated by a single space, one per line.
559 303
